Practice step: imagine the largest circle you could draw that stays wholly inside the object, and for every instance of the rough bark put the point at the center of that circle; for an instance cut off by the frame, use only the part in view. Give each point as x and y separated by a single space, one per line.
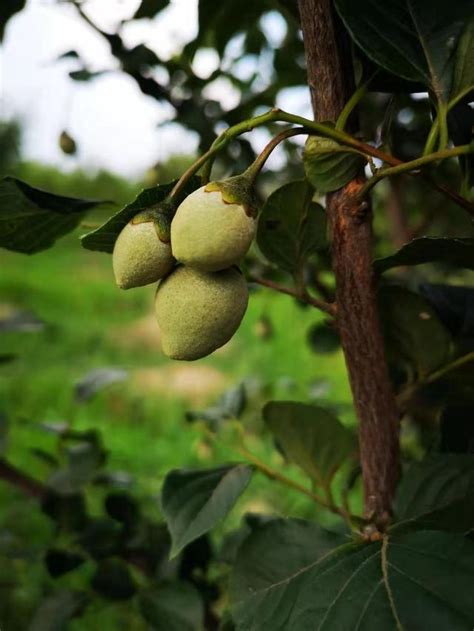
330 78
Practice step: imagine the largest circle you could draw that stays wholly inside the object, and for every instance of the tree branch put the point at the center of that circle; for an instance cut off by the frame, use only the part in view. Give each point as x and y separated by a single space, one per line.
330 78
327 307
21 480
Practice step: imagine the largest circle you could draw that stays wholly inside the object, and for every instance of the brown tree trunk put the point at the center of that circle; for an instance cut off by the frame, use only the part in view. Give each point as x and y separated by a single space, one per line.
330 78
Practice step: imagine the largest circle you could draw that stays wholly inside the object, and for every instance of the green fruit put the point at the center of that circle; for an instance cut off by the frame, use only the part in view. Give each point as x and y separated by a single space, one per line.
139 257
199 311
210 234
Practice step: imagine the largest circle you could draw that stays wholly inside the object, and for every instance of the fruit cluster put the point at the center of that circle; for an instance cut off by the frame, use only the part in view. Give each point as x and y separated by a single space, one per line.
202 295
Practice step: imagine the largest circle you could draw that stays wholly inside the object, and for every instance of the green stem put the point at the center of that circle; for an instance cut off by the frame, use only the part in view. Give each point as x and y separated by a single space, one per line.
443 125
434 131
255 168
351 104
412 165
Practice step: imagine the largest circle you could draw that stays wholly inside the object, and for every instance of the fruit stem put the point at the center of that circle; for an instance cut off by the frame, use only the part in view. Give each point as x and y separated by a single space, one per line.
404 167
255 168
321 129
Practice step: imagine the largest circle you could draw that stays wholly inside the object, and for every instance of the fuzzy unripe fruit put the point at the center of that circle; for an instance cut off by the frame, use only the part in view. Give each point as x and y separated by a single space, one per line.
210 234
199 311
139 257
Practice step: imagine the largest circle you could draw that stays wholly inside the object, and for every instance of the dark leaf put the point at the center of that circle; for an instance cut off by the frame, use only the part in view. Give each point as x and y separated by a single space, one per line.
193 502
438 494
31 220
85 75
464 68
57 610
415 39
457 428
7 9
100 537
311 437
113 580
59 562
291 227
454 305
104 238
68 511
172 607
416 341
289 575
6 358
96 380
122 507
457 251
69 54
323 338
328 165
149 8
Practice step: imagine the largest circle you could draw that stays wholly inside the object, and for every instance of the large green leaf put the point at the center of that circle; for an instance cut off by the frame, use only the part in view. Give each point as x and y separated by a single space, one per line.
464 67
172 607
438 493
416 341
291 227
7 9
328 165
414 39
103 238
458 251
287 578
31 220
193 502
311 437
56 611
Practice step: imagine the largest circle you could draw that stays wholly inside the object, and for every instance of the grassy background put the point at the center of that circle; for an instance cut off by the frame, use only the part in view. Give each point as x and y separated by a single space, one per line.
90 324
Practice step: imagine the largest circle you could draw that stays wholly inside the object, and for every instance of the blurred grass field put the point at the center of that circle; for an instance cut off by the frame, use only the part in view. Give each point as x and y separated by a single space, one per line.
90 324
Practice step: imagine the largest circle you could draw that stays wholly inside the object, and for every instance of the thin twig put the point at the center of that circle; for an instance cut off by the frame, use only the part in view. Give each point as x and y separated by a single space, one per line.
327 307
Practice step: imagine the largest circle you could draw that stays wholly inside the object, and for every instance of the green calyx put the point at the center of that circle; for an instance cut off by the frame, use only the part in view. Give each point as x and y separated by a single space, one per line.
239 190
161 215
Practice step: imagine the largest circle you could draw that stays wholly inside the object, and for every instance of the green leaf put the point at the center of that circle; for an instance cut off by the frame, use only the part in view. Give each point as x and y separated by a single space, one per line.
291 227
416 342
7 9
103 238
149 8
311 437
113 580
328 165
414 39
31 220
464 68
122 507
289 577
59 562
172 607
229 406
85 75
193 502
56 611
437 493
458 251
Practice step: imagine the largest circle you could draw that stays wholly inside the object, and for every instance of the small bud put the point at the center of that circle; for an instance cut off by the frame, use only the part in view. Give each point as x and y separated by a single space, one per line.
198 311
